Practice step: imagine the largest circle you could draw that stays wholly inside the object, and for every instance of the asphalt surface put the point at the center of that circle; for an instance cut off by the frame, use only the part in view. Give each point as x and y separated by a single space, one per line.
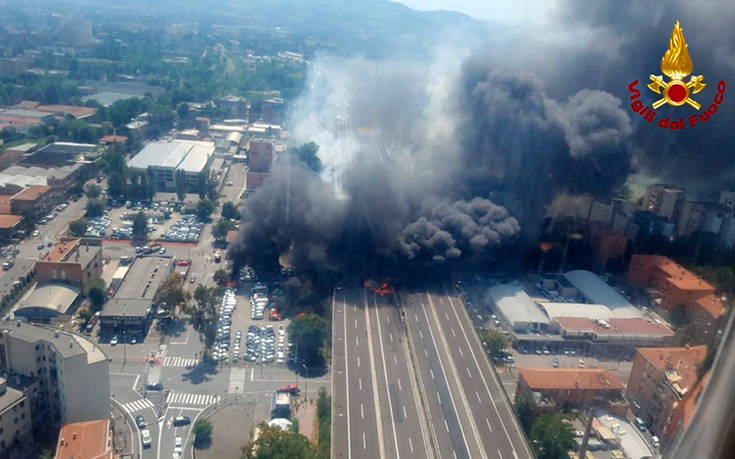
422 354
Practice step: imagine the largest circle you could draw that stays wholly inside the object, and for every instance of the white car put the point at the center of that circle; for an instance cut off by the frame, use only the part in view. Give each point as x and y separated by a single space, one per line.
178 445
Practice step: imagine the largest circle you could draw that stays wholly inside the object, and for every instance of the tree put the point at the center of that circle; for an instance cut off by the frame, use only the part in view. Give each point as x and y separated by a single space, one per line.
220 229
203 316
93 191
221 277
96 291
551 437
210 188
230 211
274 443
687 334
140 226
307 153
525 410
182 109
202 433
171 294
308 333
95 208
180 183
205 207
116 185
324 417
494 341
78 227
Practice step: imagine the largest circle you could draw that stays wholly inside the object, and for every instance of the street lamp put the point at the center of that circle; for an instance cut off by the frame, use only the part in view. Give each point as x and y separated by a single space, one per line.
306 382
125 349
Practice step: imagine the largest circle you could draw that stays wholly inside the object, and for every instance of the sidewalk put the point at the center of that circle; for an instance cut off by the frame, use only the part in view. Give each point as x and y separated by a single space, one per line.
123 434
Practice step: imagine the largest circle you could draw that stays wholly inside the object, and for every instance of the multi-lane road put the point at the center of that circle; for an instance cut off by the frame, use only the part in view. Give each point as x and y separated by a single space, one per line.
411 380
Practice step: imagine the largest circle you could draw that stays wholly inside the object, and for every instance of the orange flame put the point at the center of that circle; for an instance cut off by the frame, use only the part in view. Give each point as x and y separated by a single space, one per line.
676 63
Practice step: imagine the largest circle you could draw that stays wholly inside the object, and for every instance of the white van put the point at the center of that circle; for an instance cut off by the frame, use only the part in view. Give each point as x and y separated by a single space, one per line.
145 435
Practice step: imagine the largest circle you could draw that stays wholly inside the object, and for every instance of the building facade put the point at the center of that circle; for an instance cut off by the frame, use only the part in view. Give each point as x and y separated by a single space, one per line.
15 418
71 262
570 387
73 373
659 379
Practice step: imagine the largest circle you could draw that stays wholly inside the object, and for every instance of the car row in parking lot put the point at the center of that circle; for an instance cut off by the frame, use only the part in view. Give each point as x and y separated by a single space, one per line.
96 226
221 347
262 343
187 229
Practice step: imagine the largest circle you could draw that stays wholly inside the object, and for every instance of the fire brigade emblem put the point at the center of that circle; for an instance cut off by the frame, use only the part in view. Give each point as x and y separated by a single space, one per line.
676 64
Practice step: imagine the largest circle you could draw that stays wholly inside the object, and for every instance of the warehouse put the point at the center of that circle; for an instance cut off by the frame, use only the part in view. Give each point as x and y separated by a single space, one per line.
518 309
164 159
595 290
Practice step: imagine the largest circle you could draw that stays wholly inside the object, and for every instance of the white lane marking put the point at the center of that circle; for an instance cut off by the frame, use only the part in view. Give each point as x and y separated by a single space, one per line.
399 383
388 319
446 425
460 351
358 361
432 373
426 353
415 316
252 374
135 384
438 397
488 425
347 381
453 334
421 334
364 443
395 361
405 416
359 383
410 444
357 340
478 397
500 455
455 454
385 375
446 315
390 335
355 323
362 411
468 372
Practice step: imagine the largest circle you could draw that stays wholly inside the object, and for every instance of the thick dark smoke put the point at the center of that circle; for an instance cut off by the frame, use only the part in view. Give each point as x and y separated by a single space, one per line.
443 165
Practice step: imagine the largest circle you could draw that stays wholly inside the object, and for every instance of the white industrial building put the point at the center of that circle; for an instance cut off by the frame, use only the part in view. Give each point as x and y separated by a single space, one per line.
596 291
163 159
518 308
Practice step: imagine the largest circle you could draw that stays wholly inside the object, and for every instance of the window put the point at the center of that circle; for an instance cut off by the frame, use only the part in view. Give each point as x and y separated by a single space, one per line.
22 403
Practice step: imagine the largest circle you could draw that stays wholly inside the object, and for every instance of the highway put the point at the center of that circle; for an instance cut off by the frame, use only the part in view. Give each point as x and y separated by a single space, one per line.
421 387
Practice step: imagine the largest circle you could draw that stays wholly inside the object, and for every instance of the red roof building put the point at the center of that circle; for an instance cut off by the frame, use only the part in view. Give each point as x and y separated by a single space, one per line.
86 440
570 386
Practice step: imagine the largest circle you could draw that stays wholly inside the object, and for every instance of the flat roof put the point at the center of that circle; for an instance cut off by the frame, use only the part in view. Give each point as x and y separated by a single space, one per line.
190 156
8 221
89 439
516 305
67 344
579 310
570 378
72 251
126 307
10 397
58 172
56 298
623 328
144 278
598 291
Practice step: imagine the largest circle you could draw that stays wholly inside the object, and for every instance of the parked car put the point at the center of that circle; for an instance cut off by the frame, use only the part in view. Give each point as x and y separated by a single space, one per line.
181 420
145 435
114 341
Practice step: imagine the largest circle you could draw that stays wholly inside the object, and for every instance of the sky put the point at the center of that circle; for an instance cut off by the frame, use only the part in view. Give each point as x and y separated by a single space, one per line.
515 12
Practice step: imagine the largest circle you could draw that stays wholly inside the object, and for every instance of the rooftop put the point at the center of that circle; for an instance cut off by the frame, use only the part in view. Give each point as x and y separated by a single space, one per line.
713 305
126 307
10 397
577 310
72 251
598 291
59 172
683 361
113 139
24 113
570 378
681 277
516 305
9 221
76 111
629 326
67 344
31 193
190 156
144 278
88 440
49 299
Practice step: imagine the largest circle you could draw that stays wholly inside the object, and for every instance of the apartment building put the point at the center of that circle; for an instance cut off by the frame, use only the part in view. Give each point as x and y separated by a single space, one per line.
72 373
89 439
15 418
70 261
661 377
570 387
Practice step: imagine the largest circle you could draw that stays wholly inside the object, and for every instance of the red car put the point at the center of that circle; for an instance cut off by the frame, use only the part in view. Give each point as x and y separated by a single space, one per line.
292 389
182 263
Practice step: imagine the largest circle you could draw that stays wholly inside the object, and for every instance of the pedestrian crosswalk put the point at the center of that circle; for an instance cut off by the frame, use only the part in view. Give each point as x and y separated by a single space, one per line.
137 405
237 381
179 362
182 398
154 375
